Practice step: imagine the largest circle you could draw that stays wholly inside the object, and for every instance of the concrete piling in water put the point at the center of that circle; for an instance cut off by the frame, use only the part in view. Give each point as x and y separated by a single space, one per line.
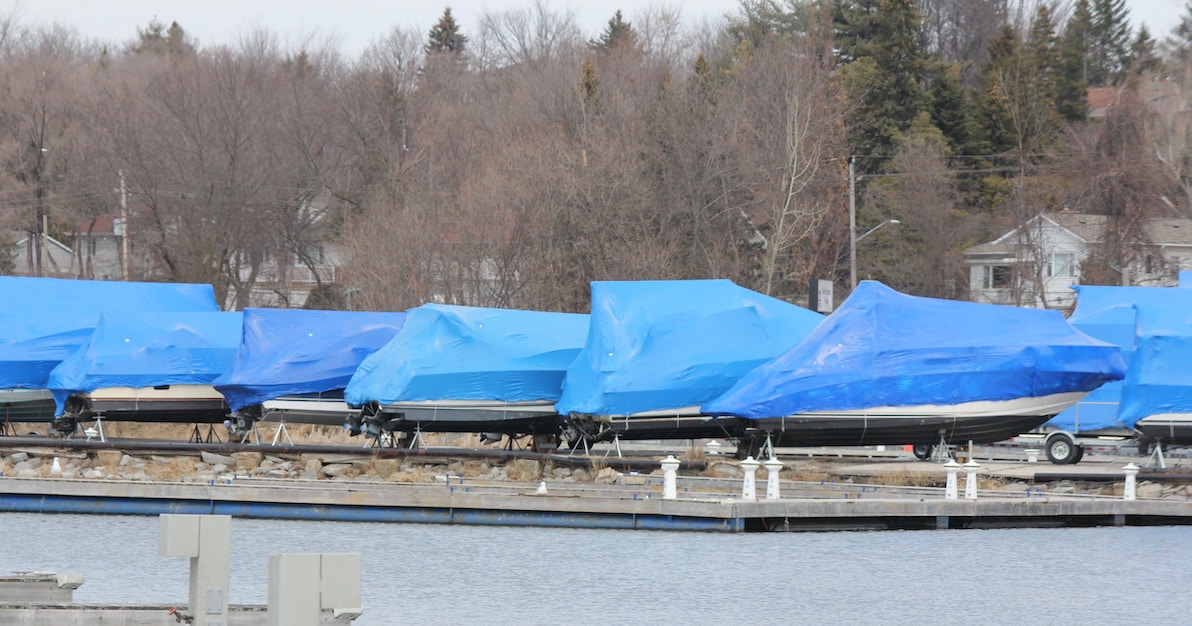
952 467
1131 490
970 479
206 540
773 466
749 487
670 468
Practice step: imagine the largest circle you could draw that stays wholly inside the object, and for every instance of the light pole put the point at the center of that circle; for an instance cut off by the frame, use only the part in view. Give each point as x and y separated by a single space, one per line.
856 240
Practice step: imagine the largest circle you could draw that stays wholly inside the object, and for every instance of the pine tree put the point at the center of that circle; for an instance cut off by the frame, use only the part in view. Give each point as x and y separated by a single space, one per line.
889 89
1142 58
1179 42
1110 43
617 35
445 36
856 25
1071 79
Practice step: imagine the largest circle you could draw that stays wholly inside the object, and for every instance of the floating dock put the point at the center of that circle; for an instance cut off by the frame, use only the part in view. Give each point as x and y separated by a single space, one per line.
702 504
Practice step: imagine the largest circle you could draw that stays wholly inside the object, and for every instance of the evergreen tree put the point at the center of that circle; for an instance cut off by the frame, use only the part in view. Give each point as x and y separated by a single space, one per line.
1142 58
1179 42
1071 78
856 24
951 108
1110 43
445 36
888 92
617 35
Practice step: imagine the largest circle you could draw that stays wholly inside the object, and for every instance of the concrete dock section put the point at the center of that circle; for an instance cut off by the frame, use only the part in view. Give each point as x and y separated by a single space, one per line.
701 504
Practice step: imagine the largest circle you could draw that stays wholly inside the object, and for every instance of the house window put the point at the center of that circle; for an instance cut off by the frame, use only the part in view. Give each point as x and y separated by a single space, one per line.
996 277
1063 265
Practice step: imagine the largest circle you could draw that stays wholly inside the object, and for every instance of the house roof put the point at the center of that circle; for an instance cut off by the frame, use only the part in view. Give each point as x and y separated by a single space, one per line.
1088 228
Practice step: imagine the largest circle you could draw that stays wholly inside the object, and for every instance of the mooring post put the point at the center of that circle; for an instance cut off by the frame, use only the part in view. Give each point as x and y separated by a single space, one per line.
670 466
952 467
1131 491
749 487
970 479
773 466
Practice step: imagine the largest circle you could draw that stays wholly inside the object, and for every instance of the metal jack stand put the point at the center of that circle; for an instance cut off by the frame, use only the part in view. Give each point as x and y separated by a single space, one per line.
942 453
616 446
281 430
99 428
767 449
1156 456
416 440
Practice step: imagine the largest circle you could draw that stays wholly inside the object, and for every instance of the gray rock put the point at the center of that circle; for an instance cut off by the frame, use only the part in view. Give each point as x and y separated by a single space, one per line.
126 460
1150 490
336 469
632 479
267 464
562 472
17 457
93 474
27 473
219 468
24 465
729 470
217 459
607 476
276 473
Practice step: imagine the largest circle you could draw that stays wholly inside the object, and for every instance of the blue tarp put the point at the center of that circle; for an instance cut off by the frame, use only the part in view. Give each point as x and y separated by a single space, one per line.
657 345
44 320
1159 379
884 348
149 349
293 351
445 352
1109 313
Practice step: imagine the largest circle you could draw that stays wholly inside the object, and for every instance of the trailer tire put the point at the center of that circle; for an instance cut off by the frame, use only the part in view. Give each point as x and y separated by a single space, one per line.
1061 449
922 451
1079 454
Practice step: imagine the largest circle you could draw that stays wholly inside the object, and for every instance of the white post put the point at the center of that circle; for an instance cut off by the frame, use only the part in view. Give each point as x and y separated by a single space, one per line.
749 488
773 466
970 479
950 488
1032 455
1131 491
670 465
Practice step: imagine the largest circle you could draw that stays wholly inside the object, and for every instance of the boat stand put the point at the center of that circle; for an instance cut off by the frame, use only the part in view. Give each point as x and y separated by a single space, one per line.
6 429
767 448
97 429
616 446
943 451
281 430
196 435
1156 456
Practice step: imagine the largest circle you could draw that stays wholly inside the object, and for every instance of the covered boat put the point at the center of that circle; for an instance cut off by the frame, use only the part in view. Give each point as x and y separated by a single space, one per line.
293 365
889 368
469 369
44 320
1110 314
1156 395
154 367
657 350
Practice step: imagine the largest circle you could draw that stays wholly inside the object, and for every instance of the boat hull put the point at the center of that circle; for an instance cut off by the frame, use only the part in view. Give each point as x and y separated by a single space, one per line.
467 416
979 422
26 405
168 403
1172 429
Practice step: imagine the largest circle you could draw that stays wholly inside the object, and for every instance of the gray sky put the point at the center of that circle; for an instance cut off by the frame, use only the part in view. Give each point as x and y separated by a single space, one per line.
357 22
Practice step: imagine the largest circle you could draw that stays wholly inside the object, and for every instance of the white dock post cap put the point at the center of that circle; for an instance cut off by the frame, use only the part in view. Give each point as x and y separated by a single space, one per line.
952 465
750 463
1130 467
670 463
1130 490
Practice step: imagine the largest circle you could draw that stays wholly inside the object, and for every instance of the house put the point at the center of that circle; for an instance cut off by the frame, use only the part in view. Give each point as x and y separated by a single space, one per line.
1038 263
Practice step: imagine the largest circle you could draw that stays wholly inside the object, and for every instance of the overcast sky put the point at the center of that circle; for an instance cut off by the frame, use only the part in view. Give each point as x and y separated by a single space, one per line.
357 22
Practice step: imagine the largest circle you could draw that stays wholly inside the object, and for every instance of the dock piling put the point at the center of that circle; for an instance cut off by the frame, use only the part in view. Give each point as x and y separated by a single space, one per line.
1131 490
749 487
952 467
670 467
970 479
773 467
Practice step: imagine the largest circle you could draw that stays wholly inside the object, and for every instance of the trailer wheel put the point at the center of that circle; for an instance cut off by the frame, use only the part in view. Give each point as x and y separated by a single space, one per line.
1061 450
923 451
1079 454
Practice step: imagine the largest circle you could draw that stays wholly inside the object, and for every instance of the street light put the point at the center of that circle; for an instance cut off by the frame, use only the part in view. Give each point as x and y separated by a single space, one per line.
852 224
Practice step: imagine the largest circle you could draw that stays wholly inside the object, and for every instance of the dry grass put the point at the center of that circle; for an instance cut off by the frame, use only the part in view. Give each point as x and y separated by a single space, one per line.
171 470
905 478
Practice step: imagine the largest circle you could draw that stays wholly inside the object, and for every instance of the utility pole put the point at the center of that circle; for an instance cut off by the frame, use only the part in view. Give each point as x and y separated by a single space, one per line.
123 227
852 224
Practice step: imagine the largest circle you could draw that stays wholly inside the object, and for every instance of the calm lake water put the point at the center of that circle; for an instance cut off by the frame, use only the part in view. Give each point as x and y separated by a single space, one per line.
433 574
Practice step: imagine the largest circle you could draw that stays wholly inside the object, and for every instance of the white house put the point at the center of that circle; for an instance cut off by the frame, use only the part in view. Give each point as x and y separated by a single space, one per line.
1038 263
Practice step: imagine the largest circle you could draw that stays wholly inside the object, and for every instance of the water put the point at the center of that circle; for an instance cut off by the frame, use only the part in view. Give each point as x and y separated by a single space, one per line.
433 574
